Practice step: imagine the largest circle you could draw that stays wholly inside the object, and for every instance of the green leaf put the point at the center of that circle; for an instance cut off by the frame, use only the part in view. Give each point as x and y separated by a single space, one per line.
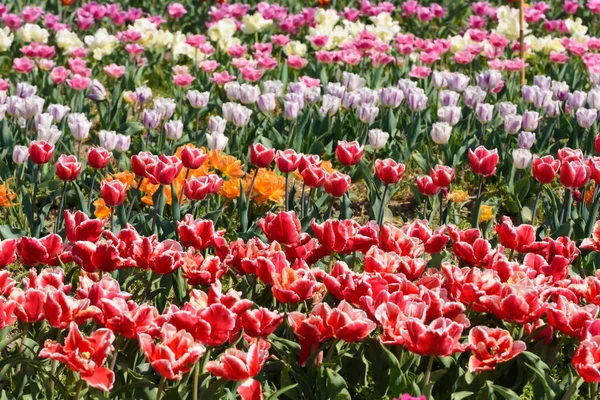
504 392
461 395
282 391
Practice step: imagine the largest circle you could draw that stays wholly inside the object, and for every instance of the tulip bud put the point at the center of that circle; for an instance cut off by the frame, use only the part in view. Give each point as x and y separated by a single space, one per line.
448 98
20 154
79 126
193 157
545 168
368 113
113 193
98 157
438 80
67 168
267 102
216 141
330 105
43 120
287 161
260 156
96 91
275 87
123 143
506 108
449 115
108 139
174 129
337 184
197 99
50 135
249 93
440 132
58 111
232 91
512 123
426 186
378 138
577 99
349 153
389 171
216 124
457 82
150 119
165 107
484 112
40 152
526 139
290 110
521 158
474 95
314 176
530 120
543 82
586 117
442 175
143 94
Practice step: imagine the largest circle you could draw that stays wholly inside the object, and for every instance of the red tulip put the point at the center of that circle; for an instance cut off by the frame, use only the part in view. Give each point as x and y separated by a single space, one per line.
197 188
294 286
349 153
192 157
594 164
7 308
311 330
196 233
314 176
545 168
29 304
337 184
140 163
250 390
7 252
587 359
350 324
40 152
98 157
574 174
567 154
516 303
491 346
260 322
392 238
48 280
67 168
85 355
61 310
113 192
216 182
99 257
283 227
127 318
433 241
79 226
202 271
307 160
426 186
45 251
287 160
389 171
468 285
520 238
236 365
592 243
597 143
439 338
6 282
260 156
165 170
174 355
344 236
105 288
483 161
442 175
570 318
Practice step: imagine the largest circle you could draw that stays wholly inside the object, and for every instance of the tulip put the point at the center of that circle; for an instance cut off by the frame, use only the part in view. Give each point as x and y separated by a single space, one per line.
113 193
512 123
165 107
457 82
330 106
577 99
216 141
574 174
442 175
350 324
40 152
143 94
150 119
439 80
7 257
79 126
197 99
438 338
20 154
521 158
474 95
426 186
67 168
267 102
79 227
197 188
491 346
248 94
174 130
85 355
216 124
196 233
165 169
526 140
552 109
506 108
96 91
368 113
284 227
192 157
484 112
449 98
586 359
449 114
483 161
530 120
416 99
123 143
586 117
349 153
45 251
313 176
291 110
545 168
108 139
389 171
43 120
440 132
260 156
391 97
337 184
378 138
50 135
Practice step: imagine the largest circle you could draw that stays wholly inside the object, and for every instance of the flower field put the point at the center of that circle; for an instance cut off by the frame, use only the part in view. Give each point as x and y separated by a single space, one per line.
282 200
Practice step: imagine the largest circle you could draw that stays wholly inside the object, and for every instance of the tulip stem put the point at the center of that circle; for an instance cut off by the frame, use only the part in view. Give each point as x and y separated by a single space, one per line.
196 379
160 387
564 212
92 189
310 195
78 390
156 207
287 175
250 194
535 205
441 208
112 219
480 188
330 209
428 372
571 390
302 200
60 208
113 362
187 174
382 205
21 345
35 190
135 194
595 391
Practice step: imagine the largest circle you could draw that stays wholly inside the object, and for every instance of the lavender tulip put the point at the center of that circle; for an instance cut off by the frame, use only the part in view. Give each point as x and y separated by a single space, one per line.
378 138
526 139
174 129
449 115
521 158
20 154
368 113
586 117
216 141
197 99
267 102
108 139
512 124
440 132
531 120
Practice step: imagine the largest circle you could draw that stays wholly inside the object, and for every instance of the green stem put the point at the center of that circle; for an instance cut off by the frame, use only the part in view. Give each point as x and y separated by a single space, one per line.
78 390
92 189
60 208
287 175
571 390
135 194
382 205
428 371
535 205
441 208
160 387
